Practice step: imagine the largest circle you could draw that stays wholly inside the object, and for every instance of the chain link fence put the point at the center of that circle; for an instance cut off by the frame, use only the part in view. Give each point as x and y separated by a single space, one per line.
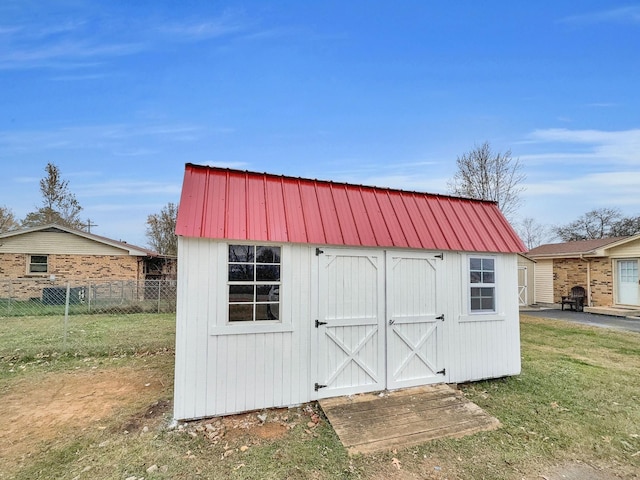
41 320
37 297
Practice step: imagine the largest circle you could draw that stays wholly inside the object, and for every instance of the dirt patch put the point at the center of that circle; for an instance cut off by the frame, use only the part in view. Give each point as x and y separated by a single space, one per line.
270 424
32 413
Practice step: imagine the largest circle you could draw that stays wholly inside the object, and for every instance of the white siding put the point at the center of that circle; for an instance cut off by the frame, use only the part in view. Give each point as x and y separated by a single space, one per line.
223 369
631 249
544 281
482 346
56 243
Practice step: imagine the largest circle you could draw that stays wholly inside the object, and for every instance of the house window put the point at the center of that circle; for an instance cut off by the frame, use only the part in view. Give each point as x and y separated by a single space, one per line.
482 284
253 283
38 264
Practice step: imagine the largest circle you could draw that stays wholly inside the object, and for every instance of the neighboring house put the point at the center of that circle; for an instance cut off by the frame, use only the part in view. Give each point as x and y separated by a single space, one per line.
290 290
60 254
607 268
526 280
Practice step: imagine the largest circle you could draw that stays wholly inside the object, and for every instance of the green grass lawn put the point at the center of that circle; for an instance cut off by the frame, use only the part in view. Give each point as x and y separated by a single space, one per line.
30 337
577 399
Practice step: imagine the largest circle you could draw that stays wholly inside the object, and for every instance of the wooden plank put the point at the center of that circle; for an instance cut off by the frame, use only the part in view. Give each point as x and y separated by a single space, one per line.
371 422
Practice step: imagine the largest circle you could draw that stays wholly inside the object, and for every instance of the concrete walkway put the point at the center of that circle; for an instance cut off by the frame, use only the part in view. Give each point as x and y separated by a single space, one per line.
604 321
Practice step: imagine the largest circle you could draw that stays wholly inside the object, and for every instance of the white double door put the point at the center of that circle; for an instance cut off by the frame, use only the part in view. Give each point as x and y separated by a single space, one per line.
379 325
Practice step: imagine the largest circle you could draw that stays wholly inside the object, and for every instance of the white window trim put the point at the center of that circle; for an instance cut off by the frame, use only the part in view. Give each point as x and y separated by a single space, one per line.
480 315
224 326
29 263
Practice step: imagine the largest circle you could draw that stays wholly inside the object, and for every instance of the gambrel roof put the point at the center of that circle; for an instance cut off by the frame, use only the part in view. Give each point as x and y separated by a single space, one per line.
221 203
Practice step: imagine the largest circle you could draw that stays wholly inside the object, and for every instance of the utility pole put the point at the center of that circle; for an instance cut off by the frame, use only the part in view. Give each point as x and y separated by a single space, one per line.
89 225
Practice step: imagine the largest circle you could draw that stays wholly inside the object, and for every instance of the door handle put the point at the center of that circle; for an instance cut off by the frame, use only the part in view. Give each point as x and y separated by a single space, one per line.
392 321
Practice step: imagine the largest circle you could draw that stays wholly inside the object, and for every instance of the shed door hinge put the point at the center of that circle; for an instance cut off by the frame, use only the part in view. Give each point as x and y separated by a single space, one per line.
441 372
318 251
318 323
440 256
441 317
317 386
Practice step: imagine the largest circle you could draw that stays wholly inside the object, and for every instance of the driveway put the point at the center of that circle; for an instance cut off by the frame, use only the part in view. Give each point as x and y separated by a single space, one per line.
604 321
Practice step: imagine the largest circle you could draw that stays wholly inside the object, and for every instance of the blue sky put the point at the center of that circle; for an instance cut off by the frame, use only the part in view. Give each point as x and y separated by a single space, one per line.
120 95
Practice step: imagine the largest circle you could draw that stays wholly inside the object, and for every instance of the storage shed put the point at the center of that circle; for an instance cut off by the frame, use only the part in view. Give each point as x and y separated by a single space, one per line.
291 290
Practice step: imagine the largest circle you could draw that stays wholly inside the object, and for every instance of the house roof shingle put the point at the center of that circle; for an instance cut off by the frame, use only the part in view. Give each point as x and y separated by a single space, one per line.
231 204
579 247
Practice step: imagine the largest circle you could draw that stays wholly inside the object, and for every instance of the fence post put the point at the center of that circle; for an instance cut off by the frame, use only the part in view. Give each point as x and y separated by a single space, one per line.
66 316
10 294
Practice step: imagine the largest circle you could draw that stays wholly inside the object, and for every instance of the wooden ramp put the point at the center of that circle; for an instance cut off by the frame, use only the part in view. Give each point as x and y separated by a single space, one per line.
376 422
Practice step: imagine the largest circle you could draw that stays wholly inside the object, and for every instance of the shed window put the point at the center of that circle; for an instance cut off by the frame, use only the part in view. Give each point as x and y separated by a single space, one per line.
482 284
38 264
253 283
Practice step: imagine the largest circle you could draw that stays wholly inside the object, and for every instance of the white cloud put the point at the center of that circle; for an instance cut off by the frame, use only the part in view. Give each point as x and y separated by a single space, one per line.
202 30
64 54
620 147
630 14
108 136
127 188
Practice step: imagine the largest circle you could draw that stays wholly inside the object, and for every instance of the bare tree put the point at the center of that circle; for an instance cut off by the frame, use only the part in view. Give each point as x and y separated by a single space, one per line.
626 226
59 205
485 175
161 230
532 233
598 223
7 220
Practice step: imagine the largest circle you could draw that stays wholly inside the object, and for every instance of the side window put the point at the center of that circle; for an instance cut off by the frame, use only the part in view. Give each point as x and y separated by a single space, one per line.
482 284
253 283
38 264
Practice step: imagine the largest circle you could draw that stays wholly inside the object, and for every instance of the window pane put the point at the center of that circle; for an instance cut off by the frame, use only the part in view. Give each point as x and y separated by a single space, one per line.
268 293
475 263
38 268
486 292
488 277
268 273
487 303
482 299
268 255
39 259
240 272
241 313
475 277
487 264
241 293
241 253
270 311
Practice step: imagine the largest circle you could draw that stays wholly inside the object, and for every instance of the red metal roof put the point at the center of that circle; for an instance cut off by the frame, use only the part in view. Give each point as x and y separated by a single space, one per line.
237 205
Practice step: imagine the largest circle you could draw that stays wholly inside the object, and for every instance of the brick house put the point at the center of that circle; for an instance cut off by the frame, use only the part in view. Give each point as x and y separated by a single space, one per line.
53 254
607 268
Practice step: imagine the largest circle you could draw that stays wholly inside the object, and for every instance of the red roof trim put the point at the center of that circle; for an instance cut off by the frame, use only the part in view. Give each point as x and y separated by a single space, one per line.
239 205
